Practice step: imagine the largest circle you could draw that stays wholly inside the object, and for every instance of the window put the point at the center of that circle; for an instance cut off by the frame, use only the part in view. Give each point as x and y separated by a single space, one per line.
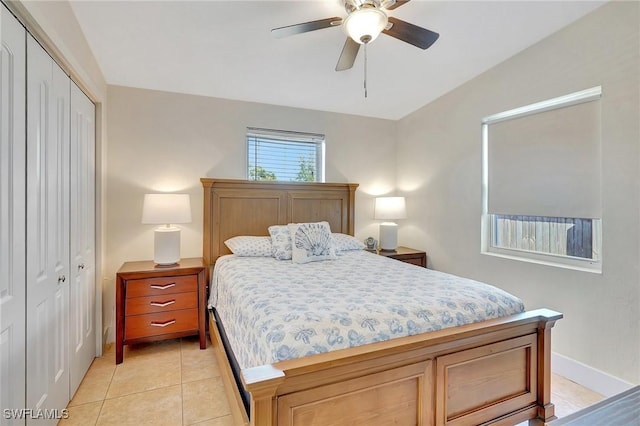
284 156
541 173
565 237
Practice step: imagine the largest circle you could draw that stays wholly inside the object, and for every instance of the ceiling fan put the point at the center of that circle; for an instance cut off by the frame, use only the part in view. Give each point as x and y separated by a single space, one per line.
365 20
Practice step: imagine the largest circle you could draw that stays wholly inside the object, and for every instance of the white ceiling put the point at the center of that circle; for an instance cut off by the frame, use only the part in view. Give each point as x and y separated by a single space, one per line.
224 49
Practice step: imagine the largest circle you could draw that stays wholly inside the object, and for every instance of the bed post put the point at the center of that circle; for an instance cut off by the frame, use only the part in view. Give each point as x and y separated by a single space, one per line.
207 243
546 410
262 383
352 203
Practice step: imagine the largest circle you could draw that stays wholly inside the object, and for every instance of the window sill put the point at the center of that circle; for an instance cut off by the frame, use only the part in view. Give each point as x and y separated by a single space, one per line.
582 266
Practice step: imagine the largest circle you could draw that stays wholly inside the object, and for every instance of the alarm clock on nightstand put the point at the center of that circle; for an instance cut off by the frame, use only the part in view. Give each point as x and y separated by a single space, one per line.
370 244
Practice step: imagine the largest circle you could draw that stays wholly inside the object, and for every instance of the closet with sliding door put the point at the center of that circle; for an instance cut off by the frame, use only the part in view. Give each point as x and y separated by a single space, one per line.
47 244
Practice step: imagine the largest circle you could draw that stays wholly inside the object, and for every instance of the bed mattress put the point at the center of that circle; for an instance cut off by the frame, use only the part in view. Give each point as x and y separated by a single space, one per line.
275 310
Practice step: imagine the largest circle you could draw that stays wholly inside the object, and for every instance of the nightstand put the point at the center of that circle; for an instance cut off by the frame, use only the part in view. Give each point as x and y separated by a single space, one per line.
407 255
157 302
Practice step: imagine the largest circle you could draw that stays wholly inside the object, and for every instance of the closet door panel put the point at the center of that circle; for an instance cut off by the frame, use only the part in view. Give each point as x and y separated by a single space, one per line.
12 215
82 290
39 274
61 107
47 231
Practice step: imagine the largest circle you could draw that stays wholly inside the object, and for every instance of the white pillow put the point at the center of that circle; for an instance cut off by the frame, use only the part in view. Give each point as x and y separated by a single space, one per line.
344 242
311 242
250 246
280 242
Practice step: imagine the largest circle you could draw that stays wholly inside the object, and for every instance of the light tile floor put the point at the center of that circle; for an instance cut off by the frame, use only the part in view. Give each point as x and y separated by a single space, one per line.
174 383
170 383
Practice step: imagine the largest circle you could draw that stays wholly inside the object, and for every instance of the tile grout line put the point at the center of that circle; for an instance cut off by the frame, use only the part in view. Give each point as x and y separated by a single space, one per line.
105 395
99 412
181 387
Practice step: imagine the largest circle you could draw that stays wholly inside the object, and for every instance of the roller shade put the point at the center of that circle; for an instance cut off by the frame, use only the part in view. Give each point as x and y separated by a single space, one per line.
546 163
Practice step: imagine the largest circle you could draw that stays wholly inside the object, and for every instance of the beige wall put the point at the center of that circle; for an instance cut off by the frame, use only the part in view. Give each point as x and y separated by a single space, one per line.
161 141
439 169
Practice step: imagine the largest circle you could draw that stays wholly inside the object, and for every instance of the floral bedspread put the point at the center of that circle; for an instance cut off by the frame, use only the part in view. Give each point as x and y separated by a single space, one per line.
273 310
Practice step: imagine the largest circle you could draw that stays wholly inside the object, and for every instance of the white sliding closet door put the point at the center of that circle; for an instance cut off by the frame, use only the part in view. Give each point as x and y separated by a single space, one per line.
82 283
48 92
12 215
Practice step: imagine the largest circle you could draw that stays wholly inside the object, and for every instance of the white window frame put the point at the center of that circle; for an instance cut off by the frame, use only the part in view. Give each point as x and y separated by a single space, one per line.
284 136
487 231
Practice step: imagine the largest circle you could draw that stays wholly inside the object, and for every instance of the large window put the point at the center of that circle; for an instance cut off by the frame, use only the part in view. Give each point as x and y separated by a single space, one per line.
541 177
284 156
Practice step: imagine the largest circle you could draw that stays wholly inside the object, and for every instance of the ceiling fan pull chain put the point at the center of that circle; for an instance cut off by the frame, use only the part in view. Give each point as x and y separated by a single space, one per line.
365 70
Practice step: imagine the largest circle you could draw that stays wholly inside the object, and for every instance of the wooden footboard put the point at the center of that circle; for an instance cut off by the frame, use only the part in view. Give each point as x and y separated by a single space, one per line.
495 372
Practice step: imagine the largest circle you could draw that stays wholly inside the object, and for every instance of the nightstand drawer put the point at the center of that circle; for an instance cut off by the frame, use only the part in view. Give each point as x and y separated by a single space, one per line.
161 285
407 255
160 323
414 260
161 303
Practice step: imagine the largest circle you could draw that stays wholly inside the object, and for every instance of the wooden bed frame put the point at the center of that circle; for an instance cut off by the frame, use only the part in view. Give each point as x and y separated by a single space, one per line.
494 372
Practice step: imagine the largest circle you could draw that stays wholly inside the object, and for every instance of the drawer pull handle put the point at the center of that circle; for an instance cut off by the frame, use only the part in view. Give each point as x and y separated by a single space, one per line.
162 305
163 324
163 287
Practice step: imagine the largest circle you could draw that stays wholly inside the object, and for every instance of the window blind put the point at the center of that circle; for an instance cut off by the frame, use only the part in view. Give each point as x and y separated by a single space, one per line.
284 155
546 163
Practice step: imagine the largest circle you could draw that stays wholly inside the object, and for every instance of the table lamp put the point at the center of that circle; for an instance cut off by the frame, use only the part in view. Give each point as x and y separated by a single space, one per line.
166 209
389 209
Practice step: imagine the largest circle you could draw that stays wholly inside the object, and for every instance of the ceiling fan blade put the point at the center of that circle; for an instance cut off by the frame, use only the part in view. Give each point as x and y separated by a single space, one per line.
397 4
412 34
348 55
306 27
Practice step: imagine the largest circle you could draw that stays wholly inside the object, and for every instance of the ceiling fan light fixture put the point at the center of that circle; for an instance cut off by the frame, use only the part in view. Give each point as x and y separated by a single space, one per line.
365 24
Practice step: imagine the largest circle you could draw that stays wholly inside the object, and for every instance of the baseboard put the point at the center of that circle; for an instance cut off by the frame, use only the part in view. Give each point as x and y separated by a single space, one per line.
589 377
105 336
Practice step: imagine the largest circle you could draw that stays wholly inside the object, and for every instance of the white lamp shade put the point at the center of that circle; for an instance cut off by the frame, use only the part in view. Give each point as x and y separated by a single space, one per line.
364 25
166 208
390 208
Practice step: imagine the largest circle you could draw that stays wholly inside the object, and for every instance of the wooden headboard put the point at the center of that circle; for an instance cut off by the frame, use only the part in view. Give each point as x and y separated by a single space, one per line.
240 207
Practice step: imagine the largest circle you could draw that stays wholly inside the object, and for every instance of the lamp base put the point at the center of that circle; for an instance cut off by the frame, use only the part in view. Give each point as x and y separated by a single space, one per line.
388 236
166 247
